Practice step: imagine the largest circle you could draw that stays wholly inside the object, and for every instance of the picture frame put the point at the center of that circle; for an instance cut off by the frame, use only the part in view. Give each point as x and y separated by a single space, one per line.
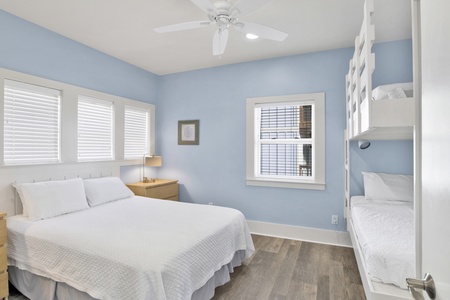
188 132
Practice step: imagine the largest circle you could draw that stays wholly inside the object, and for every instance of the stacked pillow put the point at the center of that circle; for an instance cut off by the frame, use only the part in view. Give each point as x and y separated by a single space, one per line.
42 200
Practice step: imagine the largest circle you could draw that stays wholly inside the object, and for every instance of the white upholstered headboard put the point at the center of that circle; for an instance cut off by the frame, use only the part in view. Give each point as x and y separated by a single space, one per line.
36 173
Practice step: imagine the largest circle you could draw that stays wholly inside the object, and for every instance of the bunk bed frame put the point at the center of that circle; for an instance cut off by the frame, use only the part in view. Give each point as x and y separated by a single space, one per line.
389 119
385 119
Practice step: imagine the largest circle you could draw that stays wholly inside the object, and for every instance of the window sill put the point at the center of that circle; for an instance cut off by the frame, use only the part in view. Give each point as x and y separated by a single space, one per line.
320 186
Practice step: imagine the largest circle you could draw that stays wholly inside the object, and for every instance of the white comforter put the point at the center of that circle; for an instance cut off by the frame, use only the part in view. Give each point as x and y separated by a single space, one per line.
136 248
385 230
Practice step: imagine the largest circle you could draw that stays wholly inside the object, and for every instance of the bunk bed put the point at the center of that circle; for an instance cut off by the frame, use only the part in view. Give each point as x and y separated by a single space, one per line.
375 113
386 112
382 233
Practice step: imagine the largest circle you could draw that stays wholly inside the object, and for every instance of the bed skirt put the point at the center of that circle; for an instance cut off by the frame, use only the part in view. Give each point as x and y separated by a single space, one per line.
41 288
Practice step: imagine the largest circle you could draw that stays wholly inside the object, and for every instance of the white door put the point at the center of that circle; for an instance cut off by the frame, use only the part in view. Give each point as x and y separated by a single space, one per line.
435 34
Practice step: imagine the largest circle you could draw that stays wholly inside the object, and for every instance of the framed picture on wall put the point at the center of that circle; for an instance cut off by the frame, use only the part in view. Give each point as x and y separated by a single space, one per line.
188 132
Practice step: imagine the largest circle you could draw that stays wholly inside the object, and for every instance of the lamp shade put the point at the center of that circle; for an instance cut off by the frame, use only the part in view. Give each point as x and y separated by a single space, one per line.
153 161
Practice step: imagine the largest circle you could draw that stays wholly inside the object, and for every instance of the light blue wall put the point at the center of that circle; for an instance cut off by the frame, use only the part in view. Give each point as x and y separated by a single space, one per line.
34 50
395 157
214 171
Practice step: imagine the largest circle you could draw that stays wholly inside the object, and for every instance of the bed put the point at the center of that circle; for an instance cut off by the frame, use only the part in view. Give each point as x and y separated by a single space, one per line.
381 227
120 246
384 112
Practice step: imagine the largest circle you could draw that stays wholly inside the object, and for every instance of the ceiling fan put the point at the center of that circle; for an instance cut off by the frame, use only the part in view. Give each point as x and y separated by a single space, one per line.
224 14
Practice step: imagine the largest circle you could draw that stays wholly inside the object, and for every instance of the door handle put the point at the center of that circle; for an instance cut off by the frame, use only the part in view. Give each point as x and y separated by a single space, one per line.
426 284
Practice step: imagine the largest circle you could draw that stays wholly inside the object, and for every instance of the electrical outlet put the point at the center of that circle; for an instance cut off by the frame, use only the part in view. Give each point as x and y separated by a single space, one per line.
334 220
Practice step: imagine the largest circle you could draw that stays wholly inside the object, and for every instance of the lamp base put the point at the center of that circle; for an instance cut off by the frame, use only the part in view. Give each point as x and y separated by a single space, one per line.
147 180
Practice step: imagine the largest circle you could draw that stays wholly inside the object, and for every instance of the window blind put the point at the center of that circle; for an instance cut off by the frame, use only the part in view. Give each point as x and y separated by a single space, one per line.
285 140
136 133
31 124
95 129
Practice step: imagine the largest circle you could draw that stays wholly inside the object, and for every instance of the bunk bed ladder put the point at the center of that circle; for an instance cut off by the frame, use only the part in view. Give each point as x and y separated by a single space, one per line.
366 66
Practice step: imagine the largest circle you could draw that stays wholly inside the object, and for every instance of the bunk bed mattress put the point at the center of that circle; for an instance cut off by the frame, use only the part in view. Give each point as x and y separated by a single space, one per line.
385 231
136 248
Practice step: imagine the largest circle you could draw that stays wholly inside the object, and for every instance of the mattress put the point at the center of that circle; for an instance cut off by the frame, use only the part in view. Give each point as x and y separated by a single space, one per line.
385 231
135 248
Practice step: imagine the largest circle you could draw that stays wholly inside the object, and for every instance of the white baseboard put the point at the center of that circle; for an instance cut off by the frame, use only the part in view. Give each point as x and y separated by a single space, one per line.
330 237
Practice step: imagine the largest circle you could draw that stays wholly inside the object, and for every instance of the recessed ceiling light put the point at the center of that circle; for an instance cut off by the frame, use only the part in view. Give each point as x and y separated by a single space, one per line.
251 36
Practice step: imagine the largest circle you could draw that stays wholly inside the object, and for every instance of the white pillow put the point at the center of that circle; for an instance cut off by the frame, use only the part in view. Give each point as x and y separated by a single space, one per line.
381 186
19 192
381 92
42 200
396 93
105 189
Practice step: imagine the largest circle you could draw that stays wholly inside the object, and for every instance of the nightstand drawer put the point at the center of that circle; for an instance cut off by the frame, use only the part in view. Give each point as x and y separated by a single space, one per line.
163 192
160 189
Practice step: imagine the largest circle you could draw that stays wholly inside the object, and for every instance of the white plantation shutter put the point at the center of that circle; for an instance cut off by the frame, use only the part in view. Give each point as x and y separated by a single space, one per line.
95 129
31 124
136 133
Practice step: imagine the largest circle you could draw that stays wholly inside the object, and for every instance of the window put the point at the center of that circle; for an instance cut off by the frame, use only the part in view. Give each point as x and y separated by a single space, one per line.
285 141
95 129
136 132
31 124
48 122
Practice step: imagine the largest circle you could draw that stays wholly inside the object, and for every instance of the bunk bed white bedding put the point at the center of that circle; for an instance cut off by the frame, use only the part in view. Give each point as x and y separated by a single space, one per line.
385 232
135 248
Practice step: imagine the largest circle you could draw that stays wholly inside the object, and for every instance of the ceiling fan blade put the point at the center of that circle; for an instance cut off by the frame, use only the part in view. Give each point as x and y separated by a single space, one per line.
263 31
247 6
205 5
182 26
220 41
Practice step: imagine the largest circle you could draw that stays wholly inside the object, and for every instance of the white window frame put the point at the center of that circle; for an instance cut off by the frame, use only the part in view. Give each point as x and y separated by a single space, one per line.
317 181
69 116
100 106
146 131
45 116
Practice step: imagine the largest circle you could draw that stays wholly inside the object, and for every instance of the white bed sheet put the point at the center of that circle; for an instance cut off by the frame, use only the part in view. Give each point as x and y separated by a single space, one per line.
136 248
385 230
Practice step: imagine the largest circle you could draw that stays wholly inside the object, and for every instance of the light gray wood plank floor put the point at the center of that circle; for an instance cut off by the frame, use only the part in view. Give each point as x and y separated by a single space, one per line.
282 269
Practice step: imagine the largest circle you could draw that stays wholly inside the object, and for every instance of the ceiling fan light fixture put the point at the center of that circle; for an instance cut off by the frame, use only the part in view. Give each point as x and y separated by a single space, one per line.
251 36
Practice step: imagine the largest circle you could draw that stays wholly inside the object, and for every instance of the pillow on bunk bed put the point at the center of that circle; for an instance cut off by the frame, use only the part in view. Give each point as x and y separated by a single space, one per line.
105 189
393 91
47 199
396 93
382 186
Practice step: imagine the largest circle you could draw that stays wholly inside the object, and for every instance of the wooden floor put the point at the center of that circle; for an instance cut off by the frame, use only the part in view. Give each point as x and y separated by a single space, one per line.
285 269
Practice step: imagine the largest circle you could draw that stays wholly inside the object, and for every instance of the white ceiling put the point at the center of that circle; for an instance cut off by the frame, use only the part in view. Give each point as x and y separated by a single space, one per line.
124 29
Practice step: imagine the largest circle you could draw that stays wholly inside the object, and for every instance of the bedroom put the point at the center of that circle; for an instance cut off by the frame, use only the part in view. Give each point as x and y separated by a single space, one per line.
215 96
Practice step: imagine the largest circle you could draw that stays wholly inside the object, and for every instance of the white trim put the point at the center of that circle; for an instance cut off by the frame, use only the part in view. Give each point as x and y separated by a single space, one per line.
307 234
320 186
318 182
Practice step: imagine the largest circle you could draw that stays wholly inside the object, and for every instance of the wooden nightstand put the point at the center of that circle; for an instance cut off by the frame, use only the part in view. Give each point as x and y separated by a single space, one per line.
3 261
160 189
